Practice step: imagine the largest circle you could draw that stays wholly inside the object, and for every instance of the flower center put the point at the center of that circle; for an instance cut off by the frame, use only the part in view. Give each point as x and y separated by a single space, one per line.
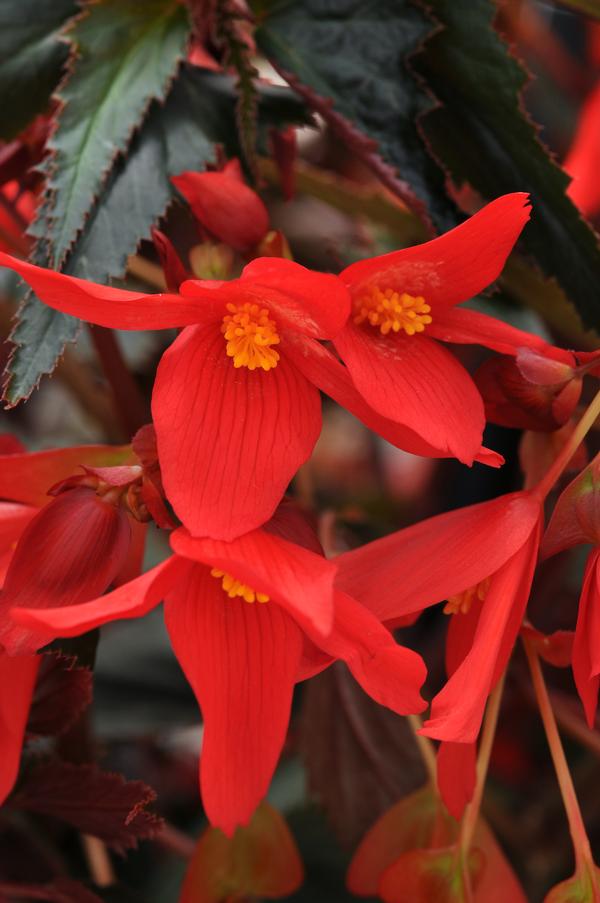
235 588
392 311
250 333
461 603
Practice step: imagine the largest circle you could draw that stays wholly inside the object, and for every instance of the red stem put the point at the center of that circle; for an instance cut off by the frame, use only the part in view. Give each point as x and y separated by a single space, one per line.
130 405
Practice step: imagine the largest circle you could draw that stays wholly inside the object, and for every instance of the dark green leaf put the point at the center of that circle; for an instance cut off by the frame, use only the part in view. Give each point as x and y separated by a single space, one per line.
483 136
178 135
125 55
31 58
348 59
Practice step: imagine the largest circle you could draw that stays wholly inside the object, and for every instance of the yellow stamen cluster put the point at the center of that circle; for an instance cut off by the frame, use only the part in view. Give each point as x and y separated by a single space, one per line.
462 602
392 311
235 588
250 333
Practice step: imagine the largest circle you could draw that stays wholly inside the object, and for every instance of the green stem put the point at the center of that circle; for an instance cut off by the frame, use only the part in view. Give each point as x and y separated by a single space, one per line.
426 749
581 845
471 815
578 435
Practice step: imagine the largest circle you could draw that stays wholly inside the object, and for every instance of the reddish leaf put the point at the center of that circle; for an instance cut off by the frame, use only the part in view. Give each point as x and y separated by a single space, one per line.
583 887
431 876
360 756
260 860
63 691
93 801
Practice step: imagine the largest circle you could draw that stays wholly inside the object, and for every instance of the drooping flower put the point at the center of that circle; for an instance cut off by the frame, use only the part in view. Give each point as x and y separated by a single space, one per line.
235 417
479 560
247 620
405 306
227 208
575 521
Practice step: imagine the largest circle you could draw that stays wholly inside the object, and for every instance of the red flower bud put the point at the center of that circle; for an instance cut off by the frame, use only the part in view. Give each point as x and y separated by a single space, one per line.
576 516
174 270
69 553
225 205
531 392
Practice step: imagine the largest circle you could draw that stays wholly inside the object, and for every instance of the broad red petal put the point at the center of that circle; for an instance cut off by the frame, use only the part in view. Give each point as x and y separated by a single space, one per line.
298 579
70 552
17 681
469 327
27 476
586 647
457 710
241 661
131 600
326 372
225 206
438 557
391 674
420 384
229 440
456 775
107 306
454 267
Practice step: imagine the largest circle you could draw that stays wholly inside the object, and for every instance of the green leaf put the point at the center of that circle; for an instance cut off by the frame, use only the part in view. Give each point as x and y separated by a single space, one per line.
180 134
483 136
347 58
125 54
31 58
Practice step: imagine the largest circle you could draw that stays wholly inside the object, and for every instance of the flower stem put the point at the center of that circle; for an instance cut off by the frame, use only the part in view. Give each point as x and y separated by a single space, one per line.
562 459
425 748
483 760
581 845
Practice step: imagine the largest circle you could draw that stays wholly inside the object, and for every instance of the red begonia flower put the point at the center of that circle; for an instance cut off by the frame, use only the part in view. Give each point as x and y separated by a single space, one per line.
234 415
242 659
583 160
403 302
225 205
456 775
480 558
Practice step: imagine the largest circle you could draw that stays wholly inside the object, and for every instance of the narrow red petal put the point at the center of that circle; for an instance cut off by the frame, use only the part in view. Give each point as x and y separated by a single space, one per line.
457 710
131 600
298 579
107 306
469 327
586 647
17 681
454 267
229 440
241 661
420 384
438 557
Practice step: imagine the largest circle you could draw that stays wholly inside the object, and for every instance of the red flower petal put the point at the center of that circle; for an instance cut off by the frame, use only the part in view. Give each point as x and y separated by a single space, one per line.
17 681
13 520
457 710
106 306
456 775
315 304
391 674
417 382
241 661
70 552
438 557
229 440
291 575
469 327
454 267
586 647
326 372
27 476
132 600
583 159
225 206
